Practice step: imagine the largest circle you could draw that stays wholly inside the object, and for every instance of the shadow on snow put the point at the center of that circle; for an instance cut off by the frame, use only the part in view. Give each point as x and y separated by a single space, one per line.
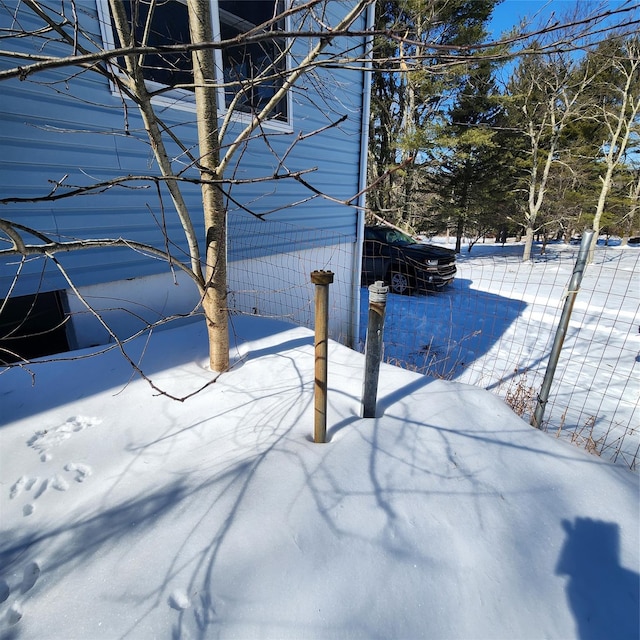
603 595
446 331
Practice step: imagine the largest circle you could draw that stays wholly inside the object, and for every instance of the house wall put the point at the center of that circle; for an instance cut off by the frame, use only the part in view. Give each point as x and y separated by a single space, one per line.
284 289
128 307
279 288
54 127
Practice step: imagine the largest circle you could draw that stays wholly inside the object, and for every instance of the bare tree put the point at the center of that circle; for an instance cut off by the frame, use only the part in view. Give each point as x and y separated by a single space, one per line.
633 216
127 66
618 109
547 92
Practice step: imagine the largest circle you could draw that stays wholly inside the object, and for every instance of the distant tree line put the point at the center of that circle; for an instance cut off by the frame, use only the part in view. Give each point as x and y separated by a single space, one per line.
534 134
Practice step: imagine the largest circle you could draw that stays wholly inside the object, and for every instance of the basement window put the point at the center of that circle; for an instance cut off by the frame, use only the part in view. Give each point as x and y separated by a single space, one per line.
249 73
32 326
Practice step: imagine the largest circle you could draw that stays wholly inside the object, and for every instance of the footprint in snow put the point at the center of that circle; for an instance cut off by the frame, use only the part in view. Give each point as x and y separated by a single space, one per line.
30 576
59 483
46 439
18 486
82 471
41 489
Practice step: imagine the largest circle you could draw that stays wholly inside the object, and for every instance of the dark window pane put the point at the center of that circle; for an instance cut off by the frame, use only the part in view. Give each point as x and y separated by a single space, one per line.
32 326
255 70
168 24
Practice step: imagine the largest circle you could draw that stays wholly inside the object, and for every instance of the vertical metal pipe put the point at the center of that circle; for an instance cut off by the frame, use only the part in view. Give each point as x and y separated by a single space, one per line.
354 321
373 347
322 280
561 331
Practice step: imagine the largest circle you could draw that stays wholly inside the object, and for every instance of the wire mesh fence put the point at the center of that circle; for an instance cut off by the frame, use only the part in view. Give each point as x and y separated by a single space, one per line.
492 327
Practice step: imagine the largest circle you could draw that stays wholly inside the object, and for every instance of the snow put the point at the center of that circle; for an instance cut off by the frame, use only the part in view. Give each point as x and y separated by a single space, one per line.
126 514
494 327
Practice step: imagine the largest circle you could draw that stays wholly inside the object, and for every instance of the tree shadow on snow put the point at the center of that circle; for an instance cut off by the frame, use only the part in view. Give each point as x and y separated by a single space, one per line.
70 377
441 334
604 597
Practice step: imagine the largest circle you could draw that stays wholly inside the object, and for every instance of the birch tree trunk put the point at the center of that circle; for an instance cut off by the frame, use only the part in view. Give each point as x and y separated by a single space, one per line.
214 300
634 197
539 180
621 125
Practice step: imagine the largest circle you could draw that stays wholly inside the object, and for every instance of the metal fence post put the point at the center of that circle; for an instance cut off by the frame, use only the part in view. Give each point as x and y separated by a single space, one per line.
561 331
322 280
373 347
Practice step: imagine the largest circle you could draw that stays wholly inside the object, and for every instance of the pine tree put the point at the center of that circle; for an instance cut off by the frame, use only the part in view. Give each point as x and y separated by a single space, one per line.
410 100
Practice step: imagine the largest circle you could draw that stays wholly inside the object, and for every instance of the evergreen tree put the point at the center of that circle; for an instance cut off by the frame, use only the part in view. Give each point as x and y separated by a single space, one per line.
409 101
472 183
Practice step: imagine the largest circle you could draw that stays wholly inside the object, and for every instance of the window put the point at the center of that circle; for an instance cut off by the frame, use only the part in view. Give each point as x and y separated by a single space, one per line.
252 73
257 66
32 326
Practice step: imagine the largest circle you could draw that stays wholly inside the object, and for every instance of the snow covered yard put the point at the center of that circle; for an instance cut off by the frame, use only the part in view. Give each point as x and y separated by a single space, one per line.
495 326
129 515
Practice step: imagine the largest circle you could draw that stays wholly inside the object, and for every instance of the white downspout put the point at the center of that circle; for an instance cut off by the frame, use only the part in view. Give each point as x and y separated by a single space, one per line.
354 325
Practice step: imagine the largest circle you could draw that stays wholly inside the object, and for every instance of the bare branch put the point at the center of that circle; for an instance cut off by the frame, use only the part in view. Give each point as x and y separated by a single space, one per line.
51 247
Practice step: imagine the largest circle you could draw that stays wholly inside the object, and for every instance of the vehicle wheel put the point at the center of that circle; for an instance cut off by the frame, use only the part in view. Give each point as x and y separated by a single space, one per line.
399 282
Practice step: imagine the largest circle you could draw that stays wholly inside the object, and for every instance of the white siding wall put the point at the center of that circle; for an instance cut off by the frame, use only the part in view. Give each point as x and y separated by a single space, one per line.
280 288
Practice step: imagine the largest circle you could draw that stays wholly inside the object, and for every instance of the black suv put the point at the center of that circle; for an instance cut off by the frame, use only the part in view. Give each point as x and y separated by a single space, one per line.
404 264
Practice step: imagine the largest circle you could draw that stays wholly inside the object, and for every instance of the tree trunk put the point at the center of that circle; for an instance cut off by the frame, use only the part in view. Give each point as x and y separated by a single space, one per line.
459 232
214 301
606 186
528 243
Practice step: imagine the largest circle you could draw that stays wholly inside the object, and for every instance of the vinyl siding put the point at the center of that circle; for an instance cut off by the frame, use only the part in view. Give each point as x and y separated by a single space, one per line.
50 128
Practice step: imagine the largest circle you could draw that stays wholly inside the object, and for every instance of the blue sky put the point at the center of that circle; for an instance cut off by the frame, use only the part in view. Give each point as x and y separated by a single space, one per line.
510 12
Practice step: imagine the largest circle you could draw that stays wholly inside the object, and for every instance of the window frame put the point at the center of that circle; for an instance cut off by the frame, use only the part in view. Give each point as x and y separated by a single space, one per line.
184 99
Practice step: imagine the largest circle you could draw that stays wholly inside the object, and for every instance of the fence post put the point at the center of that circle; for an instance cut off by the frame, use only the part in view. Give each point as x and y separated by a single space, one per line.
561 331
322 280
373 347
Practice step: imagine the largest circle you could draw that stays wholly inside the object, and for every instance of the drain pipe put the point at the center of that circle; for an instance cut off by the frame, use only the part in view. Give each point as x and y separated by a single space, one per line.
354 320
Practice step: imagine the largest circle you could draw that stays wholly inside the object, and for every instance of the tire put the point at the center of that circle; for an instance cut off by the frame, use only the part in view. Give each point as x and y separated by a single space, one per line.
400 281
